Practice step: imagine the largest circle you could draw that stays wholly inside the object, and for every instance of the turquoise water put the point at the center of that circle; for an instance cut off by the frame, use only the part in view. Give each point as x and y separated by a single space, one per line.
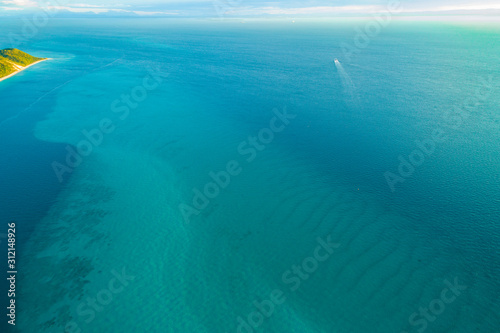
214 85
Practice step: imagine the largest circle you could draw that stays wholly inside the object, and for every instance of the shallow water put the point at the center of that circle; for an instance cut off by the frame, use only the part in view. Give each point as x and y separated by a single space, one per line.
321 176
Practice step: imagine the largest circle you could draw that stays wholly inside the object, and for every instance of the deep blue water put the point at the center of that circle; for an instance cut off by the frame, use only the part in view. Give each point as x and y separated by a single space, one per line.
323 175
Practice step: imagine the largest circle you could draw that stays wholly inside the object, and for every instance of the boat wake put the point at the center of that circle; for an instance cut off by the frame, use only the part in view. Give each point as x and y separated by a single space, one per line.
352 98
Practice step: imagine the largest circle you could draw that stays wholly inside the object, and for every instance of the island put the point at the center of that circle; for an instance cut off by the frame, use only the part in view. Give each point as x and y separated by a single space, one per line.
13 61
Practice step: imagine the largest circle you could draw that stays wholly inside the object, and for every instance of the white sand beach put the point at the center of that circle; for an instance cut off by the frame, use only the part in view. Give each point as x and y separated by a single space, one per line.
21 68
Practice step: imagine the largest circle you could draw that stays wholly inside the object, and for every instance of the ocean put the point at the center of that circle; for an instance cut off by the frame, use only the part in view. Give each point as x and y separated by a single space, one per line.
223 176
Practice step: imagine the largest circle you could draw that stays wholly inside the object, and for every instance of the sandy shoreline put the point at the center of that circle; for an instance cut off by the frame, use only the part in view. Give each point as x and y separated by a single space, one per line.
19 71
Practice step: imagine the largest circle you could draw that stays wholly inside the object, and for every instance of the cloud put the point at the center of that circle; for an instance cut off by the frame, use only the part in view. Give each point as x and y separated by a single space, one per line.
102 9
63 5
138 12
305 10
468 7
88 9
20 3
11 8
249 8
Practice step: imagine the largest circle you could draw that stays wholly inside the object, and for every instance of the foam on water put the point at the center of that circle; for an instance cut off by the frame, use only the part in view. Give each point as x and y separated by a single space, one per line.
349 88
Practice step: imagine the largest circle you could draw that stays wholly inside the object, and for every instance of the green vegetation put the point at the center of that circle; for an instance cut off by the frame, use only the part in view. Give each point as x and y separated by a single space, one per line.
11 59
6 68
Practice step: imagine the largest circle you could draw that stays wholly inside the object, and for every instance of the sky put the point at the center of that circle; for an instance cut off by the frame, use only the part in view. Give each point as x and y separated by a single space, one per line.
248 8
